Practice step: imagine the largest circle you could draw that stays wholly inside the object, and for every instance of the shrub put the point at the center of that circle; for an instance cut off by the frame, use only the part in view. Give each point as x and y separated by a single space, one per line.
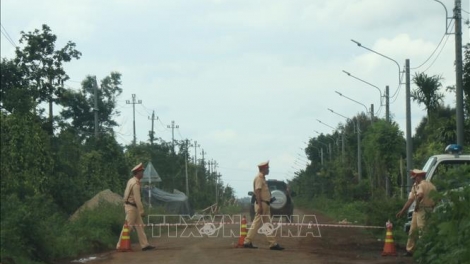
446 238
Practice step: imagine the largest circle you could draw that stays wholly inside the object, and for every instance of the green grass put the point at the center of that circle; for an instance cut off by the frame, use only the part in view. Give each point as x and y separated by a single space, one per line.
371 213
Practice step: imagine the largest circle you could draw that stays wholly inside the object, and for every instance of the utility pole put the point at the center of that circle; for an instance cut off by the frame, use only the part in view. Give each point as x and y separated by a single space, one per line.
202 161
195 159
95 109
409 143
133 102
387 105
195 151
152 133
186 167
203 153
458 71
359 158
342 146
214 163
372 113
209 164
173 126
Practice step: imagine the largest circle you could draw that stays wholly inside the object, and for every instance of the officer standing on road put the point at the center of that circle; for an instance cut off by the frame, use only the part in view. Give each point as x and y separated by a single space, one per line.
420 193
134 208
262 208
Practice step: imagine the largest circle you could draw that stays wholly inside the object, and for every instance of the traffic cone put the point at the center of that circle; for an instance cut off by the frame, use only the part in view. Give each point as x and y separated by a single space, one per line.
125 245
243 232
389 247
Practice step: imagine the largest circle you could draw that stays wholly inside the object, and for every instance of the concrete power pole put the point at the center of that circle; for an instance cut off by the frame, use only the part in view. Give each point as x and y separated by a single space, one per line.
387 105
203 162
195 151
195 159
214 164
133 102
95 109
152 133
186 167
409 143
458 72
372 113
173 126
359 152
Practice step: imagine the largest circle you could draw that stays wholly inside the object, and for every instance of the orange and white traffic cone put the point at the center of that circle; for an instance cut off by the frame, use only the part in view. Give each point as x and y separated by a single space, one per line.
125 244
243 232
389 247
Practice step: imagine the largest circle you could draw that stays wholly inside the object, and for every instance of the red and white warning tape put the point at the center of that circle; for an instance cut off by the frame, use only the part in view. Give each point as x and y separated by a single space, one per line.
275 224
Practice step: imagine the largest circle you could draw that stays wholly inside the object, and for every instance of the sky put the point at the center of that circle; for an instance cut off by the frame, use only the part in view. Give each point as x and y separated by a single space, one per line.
247 79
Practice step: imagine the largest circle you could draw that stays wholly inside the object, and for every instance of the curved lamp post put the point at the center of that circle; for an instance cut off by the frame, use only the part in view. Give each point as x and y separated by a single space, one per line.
387 104
320 152
367 110
409 144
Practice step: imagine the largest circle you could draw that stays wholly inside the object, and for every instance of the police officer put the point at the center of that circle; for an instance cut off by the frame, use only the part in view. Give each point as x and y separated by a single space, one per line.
420 194
134 208
262 208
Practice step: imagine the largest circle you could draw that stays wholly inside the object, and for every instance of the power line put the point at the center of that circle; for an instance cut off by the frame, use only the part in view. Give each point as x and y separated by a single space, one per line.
395 95
437 47
437 54
7 36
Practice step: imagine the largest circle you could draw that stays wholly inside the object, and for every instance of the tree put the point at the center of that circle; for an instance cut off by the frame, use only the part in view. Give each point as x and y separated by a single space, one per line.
79 105
26 166
15 96
427 92
383 148
42 66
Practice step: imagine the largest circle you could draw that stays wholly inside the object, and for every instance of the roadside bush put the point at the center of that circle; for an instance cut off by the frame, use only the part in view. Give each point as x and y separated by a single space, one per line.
94 230
29 228
446 238
230 210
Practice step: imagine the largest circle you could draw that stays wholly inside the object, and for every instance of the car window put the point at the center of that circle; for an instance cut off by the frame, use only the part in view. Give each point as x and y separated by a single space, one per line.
277 185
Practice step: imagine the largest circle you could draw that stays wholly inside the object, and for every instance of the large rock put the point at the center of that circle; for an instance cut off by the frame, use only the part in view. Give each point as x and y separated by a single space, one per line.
103 196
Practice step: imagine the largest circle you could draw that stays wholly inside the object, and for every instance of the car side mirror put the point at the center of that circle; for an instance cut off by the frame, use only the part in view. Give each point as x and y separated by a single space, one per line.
250 193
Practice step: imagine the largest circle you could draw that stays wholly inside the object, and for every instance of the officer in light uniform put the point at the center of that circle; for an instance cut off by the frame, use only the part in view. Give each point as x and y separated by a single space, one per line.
134 208
262 208
420 193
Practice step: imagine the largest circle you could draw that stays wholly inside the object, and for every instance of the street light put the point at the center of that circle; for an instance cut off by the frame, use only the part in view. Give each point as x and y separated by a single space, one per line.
322 148
367 110
320 152
327 136
387 105
409 144
329 144
350 75
398 65
359 164
326 124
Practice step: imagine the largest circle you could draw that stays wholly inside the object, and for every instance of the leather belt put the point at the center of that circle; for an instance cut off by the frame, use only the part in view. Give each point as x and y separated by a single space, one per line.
267 202
133 204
